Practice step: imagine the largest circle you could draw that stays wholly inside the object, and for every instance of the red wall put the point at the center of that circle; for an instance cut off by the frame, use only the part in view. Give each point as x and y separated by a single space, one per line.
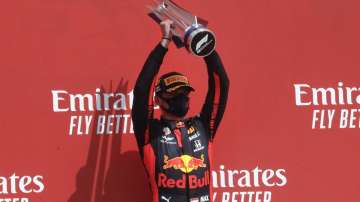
267 47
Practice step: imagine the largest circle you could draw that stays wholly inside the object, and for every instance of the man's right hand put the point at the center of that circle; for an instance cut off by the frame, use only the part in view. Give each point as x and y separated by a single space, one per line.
167 27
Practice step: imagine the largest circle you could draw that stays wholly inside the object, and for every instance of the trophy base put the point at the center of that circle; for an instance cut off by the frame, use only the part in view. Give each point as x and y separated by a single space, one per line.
200 41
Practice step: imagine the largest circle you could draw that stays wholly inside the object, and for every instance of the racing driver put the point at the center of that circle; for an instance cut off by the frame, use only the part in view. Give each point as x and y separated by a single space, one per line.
176 150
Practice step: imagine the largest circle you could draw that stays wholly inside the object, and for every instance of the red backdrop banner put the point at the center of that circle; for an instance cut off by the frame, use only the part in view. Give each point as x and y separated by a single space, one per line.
290 132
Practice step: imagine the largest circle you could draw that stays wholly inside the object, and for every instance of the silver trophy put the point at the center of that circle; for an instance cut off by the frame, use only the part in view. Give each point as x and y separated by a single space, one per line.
190 31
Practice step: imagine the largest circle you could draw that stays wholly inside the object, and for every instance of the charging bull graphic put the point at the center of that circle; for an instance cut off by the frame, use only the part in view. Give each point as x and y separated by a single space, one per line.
185 163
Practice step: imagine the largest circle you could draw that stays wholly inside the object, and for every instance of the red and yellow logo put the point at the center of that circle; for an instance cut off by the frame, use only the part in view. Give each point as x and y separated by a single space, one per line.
191 130
185 163
175 78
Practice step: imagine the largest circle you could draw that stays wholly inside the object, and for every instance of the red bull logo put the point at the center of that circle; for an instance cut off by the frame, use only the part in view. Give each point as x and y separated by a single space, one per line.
185 163
194 181
190 130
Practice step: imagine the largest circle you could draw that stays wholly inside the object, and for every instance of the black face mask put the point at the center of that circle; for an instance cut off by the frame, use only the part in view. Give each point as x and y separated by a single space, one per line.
178 105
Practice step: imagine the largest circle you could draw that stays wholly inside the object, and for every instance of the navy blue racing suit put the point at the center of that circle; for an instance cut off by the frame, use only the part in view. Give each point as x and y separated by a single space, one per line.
177 154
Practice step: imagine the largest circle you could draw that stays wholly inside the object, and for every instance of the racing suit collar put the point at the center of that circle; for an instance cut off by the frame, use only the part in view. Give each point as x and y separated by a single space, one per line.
174 123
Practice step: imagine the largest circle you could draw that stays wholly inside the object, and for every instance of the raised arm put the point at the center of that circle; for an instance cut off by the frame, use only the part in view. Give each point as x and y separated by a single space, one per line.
142 109
216 98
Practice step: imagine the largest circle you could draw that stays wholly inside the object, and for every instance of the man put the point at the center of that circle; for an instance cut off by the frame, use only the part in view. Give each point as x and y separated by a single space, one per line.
176 151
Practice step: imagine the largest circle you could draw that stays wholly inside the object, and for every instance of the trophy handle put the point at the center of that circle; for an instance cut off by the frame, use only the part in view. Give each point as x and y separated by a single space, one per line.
177 39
